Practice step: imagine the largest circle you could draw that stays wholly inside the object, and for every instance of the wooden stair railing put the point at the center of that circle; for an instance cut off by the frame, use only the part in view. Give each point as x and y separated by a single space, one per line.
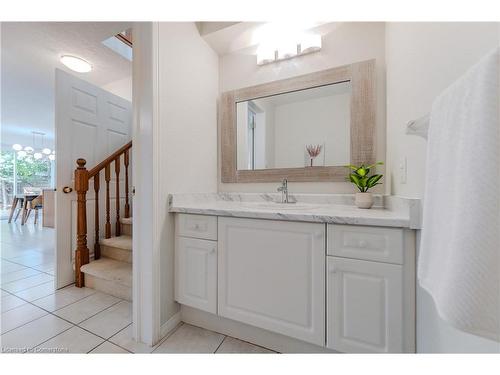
82 178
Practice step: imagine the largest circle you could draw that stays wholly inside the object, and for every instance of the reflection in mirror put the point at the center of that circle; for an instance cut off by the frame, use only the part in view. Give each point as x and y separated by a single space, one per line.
296 129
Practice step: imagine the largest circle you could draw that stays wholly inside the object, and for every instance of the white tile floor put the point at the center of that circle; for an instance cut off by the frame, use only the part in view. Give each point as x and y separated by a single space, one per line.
37 318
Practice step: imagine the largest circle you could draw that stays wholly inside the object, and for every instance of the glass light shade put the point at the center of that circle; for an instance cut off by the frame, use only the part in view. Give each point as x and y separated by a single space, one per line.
310 43
37 155
52 157
287 50
17 147
76 64
46 151
28 149
21 154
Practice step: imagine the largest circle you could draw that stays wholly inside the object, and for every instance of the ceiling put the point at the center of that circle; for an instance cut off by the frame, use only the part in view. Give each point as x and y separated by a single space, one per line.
30 53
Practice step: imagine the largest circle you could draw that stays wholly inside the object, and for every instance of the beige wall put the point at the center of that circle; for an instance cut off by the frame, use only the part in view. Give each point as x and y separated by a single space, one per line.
350 42
422 60
188 90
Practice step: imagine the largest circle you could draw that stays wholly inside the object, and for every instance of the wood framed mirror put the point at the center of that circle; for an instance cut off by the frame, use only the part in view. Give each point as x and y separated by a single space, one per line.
305 128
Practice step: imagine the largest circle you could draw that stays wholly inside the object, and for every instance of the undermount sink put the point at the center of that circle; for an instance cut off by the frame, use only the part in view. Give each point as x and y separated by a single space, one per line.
280 206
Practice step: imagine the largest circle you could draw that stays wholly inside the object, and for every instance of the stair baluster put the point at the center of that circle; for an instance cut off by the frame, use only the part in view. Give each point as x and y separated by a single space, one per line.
107 173
117 198
126 163
97 248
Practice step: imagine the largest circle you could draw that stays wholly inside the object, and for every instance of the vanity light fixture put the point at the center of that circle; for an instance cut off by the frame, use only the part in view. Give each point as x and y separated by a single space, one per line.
287 50
46 151
76 64
265 54
17 147
301 45
309 43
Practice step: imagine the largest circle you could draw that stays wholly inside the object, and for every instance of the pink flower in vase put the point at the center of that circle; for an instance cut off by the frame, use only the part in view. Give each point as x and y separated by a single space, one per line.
313 151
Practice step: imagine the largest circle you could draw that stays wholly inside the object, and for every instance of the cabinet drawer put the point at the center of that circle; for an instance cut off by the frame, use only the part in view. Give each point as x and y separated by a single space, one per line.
366 243
196 226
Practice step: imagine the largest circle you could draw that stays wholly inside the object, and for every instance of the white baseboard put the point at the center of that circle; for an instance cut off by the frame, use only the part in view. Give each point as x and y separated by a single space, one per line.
166 328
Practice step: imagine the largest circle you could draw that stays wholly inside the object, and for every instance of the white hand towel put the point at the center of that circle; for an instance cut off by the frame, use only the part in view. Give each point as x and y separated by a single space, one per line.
459 253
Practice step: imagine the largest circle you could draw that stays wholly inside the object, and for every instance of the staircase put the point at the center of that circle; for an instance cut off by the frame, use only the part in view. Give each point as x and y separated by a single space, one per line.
111 270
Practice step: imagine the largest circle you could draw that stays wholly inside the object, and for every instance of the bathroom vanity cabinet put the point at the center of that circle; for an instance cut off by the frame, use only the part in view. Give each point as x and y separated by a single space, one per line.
348 288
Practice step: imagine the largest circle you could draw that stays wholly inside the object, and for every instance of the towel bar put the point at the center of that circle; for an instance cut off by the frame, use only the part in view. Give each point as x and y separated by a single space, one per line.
419 126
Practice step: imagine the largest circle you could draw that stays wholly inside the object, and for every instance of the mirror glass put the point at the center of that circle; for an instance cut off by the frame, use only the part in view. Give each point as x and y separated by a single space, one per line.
296 129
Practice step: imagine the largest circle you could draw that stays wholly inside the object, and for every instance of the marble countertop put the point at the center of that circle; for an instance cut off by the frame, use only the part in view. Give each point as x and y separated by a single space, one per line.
317 208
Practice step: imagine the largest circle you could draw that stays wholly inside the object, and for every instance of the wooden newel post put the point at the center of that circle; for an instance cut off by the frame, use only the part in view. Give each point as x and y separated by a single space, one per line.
82 251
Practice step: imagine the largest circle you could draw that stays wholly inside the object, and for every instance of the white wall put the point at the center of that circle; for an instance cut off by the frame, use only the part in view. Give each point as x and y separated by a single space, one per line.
188 91
350 42
422 60
121 88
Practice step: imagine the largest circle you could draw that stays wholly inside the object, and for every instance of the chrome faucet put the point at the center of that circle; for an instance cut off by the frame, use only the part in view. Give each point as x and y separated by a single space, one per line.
284 191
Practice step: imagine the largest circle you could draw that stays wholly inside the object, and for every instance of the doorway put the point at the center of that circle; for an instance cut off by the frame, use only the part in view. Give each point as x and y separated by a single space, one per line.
37 288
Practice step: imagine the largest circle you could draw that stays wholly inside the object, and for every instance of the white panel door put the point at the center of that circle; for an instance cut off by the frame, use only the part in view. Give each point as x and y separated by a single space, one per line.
272 275
196 273
90 123
364 306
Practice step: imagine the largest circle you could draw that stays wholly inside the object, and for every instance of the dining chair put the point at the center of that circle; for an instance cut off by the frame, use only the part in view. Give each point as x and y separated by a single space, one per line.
18 200
35 204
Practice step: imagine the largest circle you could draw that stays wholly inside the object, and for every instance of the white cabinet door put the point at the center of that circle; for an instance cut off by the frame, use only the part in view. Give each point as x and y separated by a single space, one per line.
364 306
272 275
196 273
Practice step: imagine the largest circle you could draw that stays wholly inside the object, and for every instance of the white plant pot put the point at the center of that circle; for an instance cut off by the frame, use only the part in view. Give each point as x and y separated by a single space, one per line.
364 200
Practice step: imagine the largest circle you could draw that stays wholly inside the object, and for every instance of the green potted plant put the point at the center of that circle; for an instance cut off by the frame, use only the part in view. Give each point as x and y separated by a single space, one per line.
360 176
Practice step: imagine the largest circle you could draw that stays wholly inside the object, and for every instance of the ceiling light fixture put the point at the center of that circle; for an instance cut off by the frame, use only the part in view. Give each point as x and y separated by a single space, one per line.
76 64
38 151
